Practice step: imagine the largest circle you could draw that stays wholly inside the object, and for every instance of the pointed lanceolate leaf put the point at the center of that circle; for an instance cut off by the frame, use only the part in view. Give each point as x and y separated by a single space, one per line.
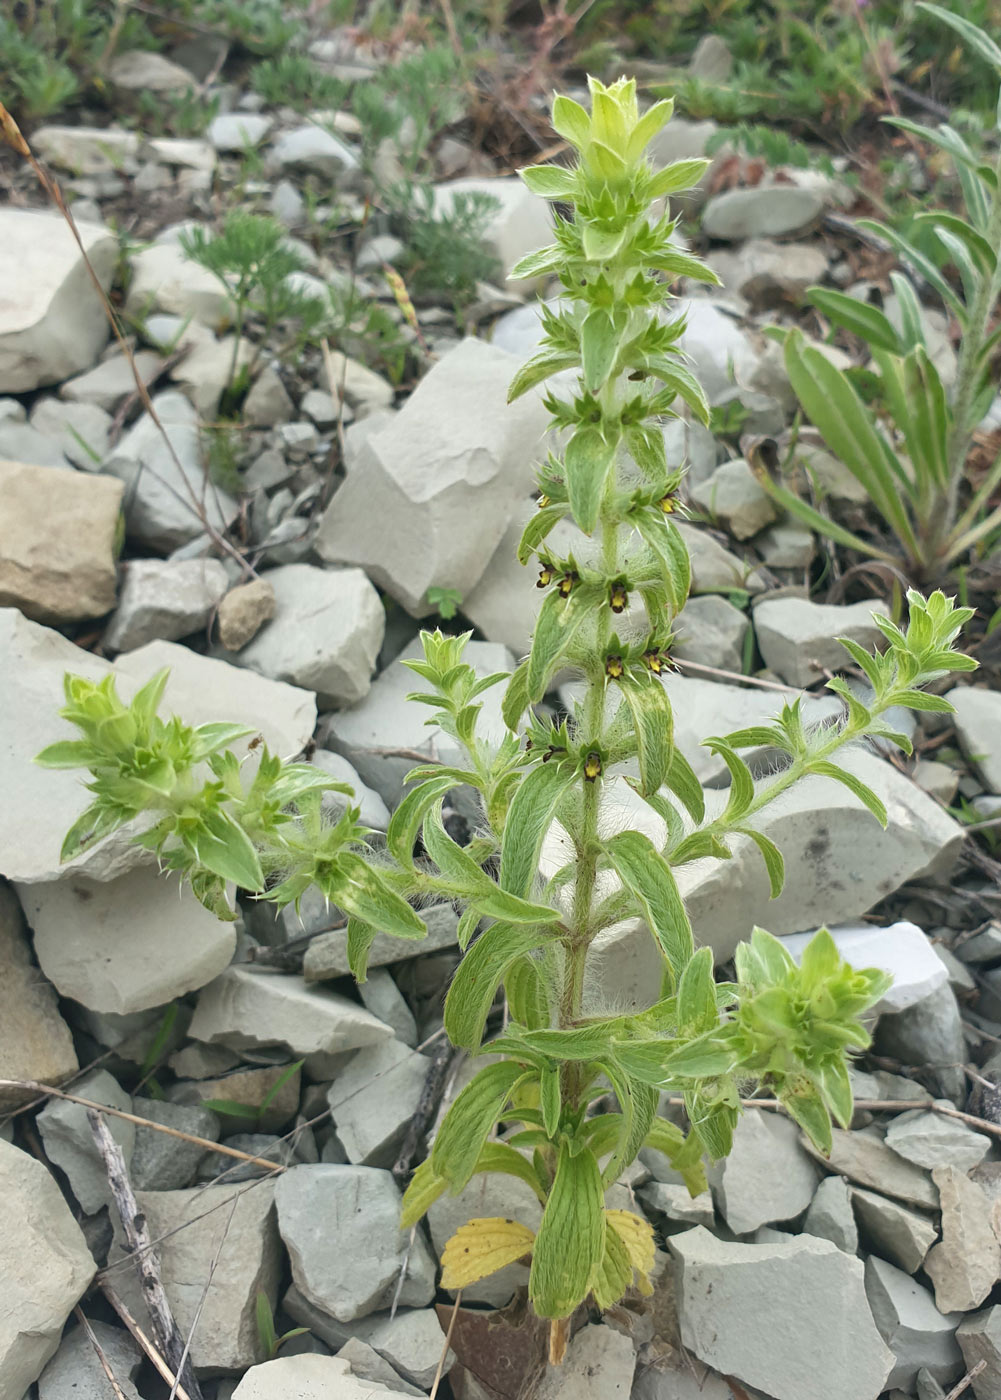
653 727
537 529
864 793
971 34
361 936
571 121
550 181
529 817
598 345
555 627
470 1120
224 847
684 783
478 976
571 1239
697 1009
361 892
516 700
406 821
679 175
425 1188
589 459
646 874
665 540
772 856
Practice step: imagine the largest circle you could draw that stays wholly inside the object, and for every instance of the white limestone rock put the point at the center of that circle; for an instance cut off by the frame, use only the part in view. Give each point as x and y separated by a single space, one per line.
733 496
76 1371
767 1176
373 1099
763 211
164 599
87 150
80 429
918 1334
69 1141
309 1377
599 1365
109 382
163 279
52 322
978 724
325 635
430 493
45 1264
893 1231
932 1140
35 1041
967 1264
521 223
796 636
234 132
830 1215
712 632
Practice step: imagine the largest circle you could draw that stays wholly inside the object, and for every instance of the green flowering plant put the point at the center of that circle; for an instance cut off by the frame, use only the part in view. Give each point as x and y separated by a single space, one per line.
574 1085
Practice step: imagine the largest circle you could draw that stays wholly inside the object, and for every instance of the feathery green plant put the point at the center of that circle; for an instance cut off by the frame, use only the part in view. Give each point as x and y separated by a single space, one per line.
910 456
606 615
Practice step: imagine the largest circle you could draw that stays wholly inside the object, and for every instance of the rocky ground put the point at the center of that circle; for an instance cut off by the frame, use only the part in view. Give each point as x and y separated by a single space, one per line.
283 595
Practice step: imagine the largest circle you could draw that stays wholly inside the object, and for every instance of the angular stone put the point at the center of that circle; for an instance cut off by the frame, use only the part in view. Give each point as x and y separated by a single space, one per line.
163 279
412 1343
128 944
180 151
220 1233
903 1236
830 1216
911 1325
161 1162
52 322
45 1264
35 1041
431 492
504 605
359 1208
928 1033
164 598
733 496
978 724
677 1203
865 1159
730 1294
979 1337
85 150
310 148
368 1365
786 546
712 632
143 70
77 1373
360 387
488 1194
967 1264
326 633
715 569
797 637
236 131
69 1141
599 1365
243 612
245 1009
767 273
900 949
327 956
109 382
80 429
166 500
764 211
270 1094
386 719
720 350
58 532
766 1177
309 1377
373 1100
521 223
26 446
933 1140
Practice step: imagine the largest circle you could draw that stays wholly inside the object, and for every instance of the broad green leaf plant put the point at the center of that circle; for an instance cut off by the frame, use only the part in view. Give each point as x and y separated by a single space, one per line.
910 454
570 1088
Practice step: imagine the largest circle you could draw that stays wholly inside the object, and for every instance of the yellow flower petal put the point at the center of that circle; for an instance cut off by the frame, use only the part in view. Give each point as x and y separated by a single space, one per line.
481 1247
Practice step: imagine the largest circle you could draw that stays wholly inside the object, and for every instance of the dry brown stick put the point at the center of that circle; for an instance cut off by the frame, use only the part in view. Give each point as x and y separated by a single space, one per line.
735 676
165 1330
164 1371
207 1143
970 1376
105 1364
447 1343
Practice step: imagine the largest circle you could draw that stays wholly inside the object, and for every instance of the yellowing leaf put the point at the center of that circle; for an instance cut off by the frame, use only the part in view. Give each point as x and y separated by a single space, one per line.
637 1236
481 1247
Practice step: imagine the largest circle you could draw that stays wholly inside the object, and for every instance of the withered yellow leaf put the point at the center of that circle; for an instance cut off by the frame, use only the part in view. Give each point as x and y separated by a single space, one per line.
637 1236
481 1247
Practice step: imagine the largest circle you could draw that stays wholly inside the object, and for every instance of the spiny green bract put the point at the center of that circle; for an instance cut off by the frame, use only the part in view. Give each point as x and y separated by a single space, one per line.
577 1089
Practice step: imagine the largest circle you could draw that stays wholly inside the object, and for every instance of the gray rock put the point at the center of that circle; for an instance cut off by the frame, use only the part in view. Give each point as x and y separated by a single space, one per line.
166 500
933 1140
911 1325
830 1216
765 211
310 1377
386 719
979 1337
94 945
204 372
978 724
80 429
52 322
57 542
675 1202
85 150
161 1162
35 1041
181 152
374 812
287 204
967 1264
359 1207
20 443
719 349
270 1094
368 1365
733 496
786 546
712 60
381 996
45 1263
712 632
69 1141
143 70
326 633
430 494
865 1159
243 612
244 1009
715 569
164 598
902 949
928 1033
521 223
677 1377
222 1232
198 1061
373 1100
766 1177
108 383
900 1235
488 1194
766 273
312 149
324 410
983 947
77 1373
238 131
797 637
939 780
360 387
268 402
729 1295
163 279
327 956
599 1365
411 1342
